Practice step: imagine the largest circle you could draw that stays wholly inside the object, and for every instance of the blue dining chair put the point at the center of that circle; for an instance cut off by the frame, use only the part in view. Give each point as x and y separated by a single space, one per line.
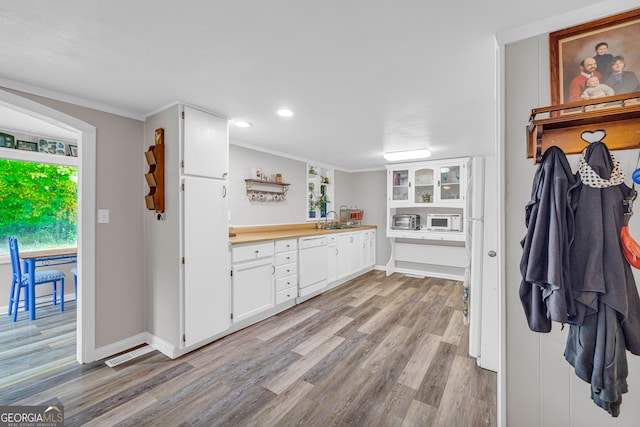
20 281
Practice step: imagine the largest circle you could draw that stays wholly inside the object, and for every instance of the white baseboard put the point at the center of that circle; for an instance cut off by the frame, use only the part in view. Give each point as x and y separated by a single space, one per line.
164 347
424 273
120 346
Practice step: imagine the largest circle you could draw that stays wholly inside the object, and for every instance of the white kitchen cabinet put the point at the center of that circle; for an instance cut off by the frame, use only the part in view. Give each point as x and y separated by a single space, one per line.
343 255
206 151
286 261
424 188
253 278
430 190
332 258
440 183
356 250
186 260
206 285
369 249
349 254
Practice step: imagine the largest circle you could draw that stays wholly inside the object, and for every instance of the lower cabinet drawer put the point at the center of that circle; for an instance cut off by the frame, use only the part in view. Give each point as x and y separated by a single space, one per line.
251 252
286 270
286 282
286 257
286 295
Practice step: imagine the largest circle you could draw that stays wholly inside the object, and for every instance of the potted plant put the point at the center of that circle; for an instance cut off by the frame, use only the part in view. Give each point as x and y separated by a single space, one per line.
312 206
321 204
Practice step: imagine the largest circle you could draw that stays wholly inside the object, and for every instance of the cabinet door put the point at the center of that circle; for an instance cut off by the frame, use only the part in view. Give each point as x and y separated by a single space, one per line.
206 151
399 185
343 255
332 258
356 250
424 185
371 250
450 182
253 288
207 296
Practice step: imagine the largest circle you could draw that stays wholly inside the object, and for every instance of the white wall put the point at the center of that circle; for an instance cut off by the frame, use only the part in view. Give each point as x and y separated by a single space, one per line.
162 238
247 212
367 191
541 387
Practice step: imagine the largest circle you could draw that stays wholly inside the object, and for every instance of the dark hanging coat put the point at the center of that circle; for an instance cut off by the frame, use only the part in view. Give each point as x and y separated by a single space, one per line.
545 290
607 317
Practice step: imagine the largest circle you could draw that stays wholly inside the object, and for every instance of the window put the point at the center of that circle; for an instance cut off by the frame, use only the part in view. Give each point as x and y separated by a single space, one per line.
38 205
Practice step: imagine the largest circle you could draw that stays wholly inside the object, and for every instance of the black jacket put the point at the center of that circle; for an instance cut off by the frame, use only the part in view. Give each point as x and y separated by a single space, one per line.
545 288
607 320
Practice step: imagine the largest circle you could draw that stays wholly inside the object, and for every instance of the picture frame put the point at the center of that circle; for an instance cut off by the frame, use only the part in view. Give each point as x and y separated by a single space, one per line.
73 150
7 140
50 146
26 145
569 47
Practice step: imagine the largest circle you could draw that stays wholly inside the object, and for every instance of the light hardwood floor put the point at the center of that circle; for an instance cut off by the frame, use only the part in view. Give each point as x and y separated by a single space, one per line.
376 351
27 348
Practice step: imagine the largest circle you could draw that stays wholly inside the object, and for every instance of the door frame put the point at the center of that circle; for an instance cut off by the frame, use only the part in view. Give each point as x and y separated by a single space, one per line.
85 322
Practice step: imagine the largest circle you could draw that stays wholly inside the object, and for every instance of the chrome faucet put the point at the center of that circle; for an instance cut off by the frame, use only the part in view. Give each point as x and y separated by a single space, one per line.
326 219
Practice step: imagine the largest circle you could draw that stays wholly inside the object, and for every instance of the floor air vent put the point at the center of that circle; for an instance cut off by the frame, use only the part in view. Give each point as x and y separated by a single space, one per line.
119 360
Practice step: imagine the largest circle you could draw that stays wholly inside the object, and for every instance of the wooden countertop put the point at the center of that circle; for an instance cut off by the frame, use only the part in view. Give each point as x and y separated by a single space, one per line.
251 234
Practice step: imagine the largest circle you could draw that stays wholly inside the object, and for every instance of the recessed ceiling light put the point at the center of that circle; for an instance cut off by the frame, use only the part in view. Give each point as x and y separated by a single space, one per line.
285 113
420 153
242 124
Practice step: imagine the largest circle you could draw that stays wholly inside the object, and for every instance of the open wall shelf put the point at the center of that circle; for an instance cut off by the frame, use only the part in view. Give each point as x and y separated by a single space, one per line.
258 190
618 116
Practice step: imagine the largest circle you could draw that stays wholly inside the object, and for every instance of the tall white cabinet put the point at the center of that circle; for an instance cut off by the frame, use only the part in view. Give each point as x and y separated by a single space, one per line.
428 188
187 261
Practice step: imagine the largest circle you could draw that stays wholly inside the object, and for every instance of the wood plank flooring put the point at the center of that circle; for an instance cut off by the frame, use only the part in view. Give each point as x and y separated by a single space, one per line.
376 351
29 347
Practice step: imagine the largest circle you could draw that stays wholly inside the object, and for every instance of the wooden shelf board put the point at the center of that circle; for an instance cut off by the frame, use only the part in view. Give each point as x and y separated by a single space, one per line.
621 122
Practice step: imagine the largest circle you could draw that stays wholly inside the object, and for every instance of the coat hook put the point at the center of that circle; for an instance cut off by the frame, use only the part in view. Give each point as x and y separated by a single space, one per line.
595 136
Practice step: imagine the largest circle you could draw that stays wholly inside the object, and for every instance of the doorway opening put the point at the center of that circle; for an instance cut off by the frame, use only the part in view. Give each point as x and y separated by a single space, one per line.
85 135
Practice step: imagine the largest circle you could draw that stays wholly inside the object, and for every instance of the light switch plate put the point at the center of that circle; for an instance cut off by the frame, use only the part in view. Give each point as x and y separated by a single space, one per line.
103 216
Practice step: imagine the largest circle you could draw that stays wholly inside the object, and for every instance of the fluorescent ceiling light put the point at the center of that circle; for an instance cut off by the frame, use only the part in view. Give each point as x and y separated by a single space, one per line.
285 113
242 124
421 153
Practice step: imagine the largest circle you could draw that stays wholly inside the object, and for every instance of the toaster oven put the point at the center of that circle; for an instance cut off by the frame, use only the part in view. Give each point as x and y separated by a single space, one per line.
405 222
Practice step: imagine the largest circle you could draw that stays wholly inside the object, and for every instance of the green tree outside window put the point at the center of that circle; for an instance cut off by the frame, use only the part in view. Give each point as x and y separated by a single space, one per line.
38 205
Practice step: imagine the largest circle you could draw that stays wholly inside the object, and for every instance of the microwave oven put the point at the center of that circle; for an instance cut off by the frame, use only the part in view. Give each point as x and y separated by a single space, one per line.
406 222
444 222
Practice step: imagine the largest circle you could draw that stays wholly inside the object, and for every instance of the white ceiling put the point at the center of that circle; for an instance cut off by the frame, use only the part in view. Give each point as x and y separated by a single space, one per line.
362 76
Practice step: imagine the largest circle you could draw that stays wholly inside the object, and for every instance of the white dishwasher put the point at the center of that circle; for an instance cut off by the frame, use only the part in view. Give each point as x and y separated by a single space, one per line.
312 264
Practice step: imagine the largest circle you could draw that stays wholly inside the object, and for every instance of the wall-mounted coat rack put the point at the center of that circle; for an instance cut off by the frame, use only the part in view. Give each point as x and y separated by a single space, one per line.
618 115
155 177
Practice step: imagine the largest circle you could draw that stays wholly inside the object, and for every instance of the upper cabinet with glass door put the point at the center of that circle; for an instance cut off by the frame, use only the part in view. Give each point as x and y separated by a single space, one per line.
427 183
450 182
399 185
424 184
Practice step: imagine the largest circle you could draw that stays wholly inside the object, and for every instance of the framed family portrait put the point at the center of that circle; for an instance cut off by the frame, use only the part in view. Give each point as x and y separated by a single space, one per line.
605 52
